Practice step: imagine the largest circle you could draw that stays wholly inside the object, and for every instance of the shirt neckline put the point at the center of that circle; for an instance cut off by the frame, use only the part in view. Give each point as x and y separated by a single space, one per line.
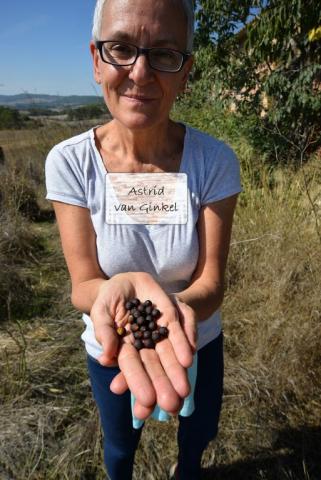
141 228
102 165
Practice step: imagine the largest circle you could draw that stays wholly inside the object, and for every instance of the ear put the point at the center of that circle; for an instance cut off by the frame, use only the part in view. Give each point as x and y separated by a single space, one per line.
186 71
96 61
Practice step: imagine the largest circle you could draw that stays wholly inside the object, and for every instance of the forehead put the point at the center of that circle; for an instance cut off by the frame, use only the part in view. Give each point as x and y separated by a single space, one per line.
148 21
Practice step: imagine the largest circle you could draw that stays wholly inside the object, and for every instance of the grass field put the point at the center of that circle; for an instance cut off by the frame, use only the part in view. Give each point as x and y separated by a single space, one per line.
271 418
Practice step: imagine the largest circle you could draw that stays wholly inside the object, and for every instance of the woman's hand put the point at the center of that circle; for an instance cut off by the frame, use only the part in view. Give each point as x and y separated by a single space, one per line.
153 376
188 323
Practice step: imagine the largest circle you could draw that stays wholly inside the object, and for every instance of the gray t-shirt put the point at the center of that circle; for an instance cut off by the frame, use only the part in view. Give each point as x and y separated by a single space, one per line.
76 174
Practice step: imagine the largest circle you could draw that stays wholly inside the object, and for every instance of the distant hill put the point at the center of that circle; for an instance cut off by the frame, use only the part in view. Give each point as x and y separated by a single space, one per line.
25 101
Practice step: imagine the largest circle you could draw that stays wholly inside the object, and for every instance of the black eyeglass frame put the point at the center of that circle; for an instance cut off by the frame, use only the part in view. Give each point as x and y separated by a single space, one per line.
145 51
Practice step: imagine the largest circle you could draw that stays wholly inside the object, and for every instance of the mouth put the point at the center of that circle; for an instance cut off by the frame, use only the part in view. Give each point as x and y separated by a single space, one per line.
139 98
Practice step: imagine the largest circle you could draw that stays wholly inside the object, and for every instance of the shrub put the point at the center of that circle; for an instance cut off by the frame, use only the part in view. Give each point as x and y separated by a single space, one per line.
87 112
10 118
271 67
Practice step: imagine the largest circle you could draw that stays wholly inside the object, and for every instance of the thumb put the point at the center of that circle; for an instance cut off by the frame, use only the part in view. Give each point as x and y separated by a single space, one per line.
188 321
105 333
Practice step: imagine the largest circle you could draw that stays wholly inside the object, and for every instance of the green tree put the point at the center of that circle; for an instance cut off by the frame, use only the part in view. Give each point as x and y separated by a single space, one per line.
10 118
265 57
87 112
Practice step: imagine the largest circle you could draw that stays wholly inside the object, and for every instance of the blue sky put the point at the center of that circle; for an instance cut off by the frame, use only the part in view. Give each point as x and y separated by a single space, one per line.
45 47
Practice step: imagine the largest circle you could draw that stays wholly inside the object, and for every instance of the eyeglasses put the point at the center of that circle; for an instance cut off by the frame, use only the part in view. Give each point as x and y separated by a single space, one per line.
123 54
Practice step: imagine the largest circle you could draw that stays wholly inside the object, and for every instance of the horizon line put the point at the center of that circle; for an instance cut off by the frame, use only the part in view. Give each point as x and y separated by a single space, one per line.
49 94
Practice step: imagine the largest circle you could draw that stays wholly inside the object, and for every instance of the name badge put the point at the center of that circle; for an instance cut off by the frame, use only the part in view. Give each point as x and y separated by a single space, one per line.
146 198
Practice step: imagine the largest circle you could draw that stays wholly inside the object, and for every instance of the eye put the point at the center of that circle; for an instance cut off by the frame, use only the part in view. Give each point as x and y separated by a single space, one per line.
119 50
165 56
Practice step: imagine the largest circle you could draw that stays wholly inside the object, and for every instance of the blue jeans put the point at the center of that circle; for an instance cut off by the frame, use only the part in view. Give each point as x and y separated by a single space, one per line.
194 432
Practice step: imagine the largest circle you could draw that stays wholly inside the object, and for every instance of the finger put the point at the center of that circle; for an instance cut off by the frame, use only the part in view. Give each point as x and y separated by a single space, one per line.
119 384
106 361
180 344
135 375
173 369
105 333
191 334
142 412
187 319
121 317
167 397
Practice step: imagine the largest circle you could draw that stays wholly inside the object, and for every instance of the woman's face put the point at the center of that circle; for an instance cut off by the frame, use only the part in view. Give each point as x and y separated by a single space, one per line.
136 95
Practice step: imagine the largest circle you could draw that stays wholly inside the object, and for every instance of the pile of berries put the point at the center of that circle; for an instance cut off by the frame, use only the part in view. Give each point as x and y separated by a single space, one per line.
143 323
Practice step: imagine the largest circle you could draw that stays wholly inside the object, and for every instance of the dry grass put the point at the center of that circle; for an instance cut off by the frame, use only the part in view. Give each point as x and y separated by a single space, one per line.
272 334
270 425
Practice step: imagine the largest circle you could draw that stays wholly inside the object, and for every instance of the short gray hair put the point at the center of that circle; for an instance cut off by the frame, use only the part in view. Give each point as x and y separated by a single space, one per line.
188 6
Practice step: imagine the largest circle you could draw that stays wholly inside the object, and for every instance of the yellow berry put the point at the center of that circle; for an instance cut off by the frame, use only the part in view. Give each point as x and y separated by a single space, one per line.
121 331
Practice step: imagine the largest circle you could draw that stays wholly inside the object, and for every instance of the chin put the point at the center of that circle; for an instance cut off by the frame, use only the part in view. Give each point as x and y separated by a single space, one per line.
139 121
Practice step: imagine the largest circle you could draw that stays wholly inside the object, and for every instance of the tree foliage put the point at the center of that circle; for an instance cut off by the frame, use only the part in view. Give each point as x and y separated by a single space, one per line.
265 57
87 112
10 118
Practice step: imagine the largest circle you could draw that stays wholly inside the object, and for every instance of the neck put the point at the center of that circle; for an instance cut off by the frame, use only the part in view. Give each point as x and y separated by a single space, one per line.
143 145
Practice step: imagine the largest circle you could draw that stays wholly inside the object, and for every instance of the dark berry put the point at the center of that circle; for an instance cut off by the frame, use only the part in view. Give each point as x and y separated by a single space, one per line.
156 337
163 331
138 334
138 344
152 325
155 313
142 318
148 343
135 302
140 321
128 305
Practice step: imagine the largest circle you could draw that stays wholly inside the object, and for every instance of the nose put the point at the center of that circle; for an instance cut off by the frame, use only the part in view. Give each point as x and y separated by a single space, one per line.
140 72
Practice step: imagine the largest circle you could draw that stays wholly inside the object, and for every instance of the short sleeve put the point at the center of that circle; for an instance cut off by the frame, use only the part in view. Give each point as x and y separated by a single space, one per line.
64 178
221 177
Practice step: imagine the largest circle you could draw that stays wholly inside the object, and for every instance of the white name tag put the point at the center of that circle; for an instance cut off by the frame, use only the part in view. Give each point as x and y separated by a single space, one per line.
146 198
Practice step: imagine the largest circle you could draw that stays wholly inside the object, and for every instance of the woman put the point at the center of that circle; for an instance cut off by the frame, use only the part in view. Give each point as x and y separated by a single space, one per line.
141 57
